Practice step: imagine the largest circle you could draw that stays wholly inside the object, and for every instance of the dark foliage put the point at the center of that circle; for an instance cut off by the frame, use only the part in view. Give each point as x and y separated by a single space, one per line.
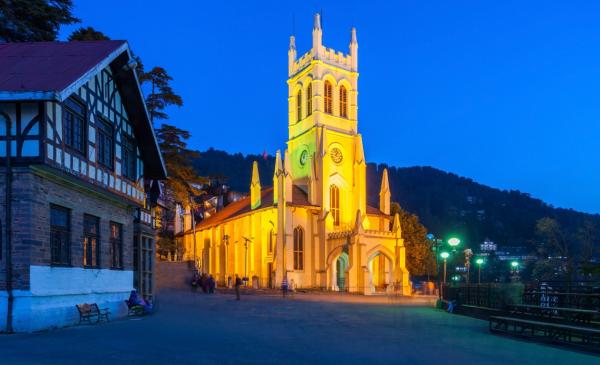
87 34
445 203
34 20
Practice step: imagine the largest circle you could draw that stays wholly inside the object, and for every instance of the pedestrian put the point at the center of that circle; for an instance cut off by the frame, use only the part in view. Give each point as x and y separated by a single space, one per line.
238 283
211 284
284 286
292 287
195 279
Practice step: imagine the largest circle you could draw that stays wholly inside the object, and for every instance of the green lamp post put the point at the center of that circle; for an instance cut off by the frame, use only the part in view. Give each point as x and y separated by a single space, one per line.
445 256
479 263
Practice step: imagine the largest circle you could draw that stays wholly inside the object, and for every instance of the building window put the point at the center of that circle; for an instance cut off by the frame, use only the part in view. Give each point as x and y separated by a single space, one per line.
75 125
334 204
106 144
298 248
116 245
60 235
299 105
270 241
309 100
328 97
343 102
129 159
91 246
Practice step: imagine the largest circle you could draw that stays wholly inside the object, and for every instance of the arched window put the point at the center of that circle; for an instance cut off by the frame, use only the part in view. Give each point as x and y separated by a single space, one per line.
343 102
299 105
309 100
298 248
328 97
334 204
270 242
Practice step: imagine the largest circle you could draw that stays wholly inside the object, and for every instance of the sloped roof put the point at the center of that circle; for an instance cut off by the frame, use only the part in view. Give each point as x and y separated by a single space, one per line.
242 206
55 70
50 66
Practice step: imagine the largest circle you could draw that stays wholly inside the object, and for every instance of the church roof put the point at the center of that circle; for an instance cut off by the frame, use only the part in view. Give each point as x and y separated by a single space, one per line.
242 206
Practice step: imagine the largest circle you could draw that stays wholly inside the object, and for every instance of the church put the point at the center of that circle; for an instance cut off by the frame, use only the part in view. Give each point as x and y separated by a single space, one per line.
312 225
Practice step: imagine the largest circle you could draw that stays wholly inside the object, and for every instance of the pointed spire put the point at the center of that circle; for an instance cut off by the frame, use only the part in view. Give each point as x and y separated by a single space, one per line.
354 50
317 35
278 171
317 24
292 42
396 228
359 152
358 222
384 194
292 55
287 164
255 190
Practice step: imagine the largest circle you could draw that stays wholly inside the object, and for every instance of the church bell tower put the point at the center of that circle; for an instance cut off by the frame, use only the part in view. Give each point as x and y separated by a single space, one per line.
325 148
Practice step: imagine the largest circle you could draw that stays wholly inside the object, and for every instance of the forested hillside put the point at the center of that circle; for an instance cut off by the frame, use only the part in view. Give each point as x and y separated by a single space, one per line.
446 204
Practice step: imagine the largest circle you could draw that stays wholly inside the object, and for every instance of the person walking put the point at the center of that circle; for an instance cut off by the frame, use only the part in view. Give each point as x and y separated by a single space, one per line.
211 284
238 283
284 286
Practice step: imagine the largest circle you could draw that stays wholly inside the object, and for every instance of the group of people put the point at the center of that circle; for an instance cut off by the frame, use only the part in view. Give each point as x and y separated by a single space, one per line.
137 300
206 282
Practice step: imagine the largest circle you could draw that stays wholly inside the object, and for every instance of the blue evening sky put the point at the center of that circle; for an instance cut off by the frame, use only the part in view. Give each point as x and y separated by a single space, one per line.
506 93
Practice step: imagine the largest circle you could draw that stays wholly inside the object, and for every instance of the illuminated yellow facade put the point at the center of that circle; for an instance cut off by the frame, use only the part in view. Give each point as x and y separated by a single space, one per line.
313 225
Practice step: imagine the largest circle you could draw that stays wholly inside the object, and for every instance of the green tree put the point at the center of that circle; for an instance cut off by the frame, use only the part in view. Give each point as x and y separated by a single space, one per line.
182 178
161 93
34 20
87 34
419 258
556 239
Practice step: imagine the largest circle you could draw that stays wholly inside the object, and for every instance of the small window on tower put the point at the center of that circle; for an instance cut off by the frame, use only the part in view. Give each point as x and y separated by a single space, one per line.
343 102
309 100
328 97
299 105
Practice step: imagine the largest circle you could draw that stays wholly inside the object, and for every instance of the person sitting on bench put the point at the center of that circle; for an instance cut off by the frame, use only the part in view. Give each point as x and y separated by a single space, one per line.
135 299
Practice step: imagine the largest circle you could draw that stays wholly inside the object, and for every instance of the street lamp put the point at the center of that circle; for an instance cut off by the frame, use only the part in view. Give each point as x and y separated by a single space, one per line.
514 268
445 256
453 242
479 262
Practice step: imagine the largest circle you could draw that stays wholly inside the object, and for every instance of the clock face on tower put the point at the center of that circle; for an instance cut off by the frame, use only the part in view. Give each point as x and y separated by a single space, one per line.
303 157
336 155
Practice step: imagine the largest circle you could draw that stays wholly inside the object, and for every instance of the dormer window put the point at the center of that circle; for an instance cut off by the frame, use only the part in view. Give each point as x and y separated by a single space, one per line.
106 143
75 125
328 97
343 102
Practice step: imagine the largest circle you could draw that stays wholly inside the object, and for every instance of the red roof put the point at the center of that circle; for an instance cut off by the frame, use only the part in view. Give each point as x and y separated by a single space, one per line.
242 206
49 66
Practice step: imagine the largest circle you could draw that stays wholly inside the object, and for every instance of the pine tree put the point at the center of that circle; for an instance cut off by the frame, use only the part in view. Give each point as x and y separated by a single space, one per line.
34 20
87 34
161 93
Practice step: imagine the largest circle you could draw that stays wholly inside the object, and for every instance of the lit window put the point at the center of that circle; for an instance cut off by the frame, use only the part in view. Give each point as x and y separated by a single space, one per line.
343 102
91 247
299 105
116 244
298 248
334 203
328 97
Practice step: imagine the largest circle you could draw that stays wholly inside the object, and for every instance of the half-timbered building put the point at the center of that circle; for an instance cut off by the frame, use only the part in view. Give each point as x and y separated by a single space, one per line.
76 145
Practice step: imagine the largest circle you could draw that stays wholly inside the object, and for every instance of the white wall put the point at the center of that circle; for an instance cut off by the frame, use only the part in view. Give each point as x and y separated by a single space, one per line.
54 292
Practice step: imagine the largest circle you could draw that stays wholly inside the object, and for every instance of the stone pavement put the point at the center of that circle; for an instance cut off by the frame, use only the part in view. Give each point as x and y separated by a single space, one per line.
195 328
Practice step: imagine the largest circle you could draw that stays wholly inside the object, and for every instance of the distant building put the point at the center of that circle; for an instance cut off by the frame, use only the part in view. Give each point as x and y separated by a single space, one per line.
487 247
75 223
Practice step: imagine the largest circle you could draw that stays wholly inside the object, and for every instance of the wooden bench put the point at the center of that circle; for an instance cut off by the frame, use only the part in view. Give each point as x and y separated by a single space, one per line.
573 315
585 337
89 312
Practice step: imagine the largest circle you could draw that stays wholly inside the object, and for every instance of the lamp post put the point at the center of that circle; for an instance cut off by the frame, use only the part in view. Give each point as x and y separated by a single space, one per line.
479 262
514 268
445 256
453 242
435 244
246 240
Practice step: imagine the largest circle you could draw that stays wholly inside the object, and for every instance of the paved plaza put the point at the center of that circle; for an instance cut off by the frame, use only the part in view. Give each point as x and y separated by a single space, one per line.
194 328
